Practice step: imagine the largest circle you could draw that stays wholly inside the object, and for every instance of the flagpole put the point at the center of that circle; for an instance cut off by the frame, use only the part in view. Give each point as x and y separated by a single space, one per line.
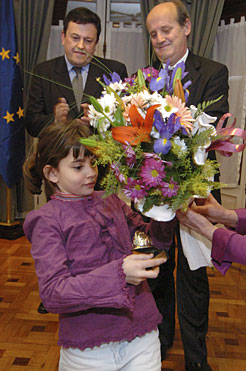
10 229
12 134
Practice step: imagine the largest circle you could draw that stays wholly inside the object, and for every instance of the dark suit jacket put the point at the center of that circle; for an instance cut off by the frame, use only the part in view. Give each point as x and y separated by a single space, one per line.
209 81
51 81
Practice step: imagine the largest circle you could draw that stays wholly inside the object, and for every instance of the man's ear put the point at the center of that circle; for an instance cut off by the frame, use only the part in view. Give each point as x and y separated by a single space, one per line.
187 27
62 37
50 173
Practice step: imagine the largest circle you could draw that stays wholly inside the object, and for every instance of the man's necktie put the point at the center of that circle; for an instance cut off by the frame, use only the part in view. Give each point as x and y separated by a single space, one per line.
77 85
170 72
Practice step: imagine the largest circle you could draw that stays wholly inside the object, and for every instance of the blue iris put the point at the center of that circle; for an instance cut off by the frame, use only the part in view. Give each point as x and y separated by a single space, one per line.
159 82
166 130
165 81
115 77
162 145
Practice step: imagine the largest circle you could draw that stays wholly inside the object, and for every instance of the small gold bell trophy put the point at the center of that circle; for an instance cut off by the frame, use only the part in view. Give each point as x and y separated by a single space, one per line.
142 244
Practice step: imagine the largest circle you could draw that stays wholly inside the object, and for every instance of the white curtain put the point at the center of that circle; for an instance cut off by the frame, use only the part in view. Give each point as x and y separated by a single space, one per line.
55 47
126 44
230 49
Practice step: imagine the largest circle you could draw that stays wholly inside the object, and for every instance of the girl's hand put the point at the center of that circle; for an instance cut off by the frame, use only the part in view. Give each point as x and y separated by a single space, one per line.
135 266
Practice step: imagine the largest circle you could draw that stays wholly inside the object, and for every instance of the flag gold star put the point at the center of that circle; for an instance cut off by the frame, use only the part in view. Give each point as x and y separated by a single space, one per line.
9 117
17 58
5 54
20 112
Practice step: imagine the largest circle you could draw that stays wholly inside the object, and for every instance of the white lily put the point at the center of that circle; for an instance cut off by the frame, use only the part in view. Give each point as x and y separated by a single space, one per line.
200 156
203 122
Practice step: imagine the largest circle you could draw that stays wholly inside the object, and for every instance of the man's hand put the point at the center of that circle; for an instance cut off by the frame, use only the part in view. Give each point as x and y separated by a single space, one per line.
61 110
85 108
85 118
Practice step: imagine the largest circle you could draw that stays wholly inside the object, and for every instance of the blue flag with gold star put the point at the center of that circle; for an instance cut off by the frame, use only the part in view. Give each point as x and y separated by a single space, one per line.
12 131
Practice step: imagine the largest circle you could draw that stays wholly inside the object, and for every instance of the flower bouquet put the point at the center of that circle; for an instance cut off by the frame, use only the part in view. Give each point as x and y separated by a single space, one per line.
153 145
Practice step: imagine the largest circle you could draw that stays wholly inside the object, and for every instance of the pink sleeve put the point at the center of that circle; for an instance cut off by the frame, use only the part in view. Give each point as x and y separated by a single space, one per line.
229 246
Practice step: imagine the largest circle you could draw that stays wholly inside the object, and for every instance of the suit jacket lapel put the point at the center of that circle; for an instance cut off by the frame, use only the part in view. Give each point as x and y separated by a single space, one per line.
92 87
192 66
62 77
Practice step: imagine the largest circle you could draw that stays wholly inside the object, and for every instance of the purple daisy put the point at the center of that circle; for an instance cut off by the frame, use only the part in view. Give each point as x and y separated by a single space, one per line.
117 173
170 189
152 172
149 73
130 156
148 155
130 80
135 189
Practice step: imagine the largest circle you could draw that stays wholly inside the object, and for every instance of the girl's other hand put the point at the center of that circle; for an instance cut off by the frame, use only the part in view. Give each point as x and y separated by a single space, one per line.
135 266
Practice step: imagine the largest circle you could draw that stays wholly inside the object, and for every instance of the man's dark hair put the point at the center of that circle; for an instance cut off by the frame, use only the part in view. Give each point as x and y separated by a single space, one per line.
82 16
181 11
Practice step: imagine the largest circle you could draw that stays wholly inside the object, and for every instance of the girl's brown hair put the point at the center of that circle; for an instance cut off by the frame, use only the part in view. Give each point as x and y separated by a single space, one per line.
53 145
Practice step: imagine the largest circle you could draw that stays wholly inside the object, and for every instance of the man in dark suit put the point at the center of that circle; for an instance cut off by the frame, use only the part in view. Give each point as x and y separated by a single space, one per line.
51 97
169 27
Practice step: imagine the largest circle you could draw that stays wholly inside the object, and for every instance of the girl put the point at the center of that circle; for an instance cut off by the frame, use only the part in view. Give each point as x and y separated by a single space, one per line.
81 245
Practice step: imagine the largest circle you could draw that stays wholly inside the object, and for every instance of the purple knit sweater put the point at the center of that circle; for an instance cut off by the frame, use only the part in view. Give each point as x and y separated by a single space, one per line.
230 245
78 245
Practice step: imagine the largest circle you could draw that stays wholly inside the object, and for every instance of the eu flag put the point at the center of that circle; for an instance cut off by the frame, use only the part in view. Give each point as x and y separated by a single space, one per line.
12 132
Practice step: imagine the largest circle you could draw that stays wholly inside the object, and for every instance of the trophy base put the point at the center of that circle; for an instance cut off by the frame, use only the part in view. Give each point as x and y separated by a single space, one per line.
151 250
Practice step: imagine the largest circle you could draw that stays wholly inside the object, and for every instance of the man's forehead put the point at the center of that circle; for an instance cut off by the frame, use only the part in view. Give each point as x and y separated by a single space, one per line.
162 13
78 26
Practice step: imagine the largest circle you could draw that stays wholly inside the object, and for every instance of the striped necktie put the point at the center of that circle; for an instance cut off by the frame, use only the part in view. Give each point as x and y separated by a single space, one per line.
170 72
77 85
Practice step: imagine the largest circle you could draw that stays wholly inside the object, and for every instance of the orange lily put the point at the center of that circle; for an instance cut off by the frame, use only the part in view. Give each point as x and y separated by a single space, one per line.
140 129
179 91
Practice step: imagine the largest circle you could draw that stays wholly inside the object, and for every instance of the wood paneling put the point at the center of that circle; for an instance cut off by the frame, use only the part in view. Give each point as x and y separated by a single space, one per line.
233 9
59 12
28 339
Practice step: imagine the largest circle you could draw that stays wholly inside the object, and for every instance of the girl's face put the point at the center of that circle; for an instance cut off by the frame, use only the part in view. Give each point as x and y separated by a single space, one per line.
75 175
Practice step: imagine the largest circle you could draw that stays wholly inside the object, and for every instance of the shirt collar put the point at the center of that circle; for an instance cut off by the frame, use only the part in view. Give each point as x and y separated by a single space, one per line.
183 59
70 66
68 197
